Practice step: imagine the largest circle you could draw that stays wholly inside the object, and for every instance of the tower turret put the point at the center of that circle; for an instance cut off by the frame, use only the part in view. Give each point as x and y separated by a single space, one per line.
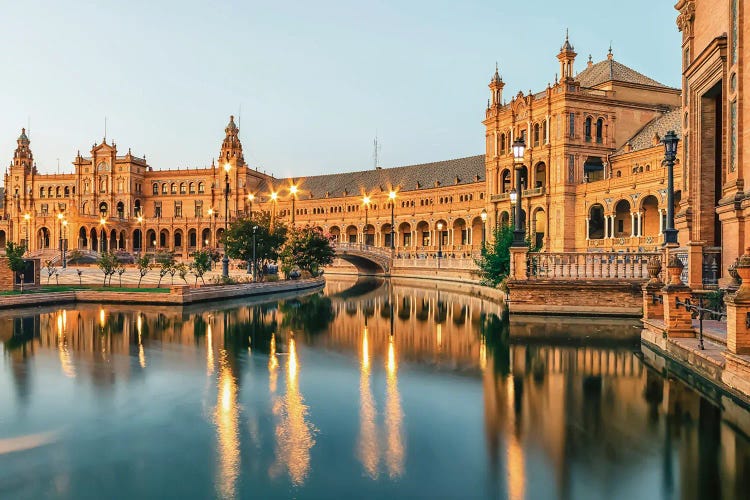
496 89
231 148
567 57
23 157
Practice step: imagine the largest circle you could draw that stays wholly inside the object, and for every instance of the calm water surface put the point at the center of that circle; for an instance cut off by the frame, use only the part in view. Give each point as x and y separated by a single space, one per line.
368 390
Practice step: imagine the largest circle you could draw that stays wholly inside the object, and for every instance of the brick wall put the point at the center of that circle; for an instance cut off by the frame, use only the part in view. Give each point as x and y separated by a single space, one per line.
576 297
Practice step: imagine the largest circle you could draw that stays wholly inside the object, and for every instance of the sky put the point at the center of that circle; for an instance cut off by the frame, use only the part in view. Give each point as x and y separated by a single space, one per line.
311 82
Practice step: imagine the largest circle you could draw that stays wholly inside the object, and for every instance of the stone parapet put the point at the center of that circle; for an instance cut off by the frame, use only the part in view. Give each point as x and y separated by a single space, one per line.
577 297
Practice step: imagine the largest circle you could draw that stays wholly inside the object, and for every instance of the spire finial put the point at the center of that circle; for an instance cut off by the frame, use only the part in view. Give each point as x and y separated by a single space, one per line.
610 56
566 34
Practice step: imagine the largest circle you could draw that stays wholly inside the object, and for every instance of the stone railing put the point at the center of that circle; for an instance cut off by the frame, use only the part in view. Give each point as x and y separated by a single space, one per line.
589 265
434 263
361 247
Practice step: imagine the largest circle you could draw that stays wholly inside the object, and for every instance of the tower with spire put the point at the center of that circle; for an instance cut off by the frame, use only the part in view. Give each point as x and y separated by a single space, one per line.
567 57
23 157
496 89
231 147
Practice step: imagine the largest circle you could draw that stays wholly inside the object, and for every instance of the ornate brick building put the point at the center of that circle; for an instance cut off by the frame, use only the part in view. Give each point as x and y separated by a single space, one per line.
592 179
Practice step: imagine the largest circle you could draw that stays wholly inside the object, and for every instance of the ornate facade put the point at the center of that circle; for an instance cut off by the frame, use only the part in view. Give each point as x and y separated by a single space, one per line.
592 179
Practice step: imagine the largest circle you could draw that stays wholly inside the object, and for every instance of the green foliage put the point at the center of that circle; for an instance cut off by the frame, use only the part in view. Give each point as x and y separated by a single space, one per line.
165 260
308 249
108 264
201 264
182 269
14 252
51 269
143 263
238 239
494 264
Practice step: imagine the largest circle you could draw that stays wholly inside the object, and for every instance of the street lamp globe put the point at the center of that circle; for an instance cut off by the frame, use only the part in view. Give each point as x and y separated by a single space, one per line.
670 141
27 217
519 148
274 196
440 226
227 167
60 215
293 189
484 215
366 200
140 219
513 196
392 195
251 197
102 221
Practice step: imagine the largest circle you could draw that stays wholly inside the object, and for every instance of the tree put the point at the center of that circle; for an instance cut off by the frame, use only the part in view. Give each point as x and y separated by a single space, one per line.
107 262
307 248
182 269
14 252
51 269
120 271
201 264
143 263
238 239
494 264
166 263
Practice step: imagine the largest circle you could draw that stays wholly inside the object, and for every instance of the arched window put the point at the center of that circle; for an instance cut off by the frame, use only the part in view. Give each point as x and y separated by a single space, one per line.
49 192
587 129
182 188
191 188
536 134
544 132
103 185
67 191
502 144
600 130
155 188
173 188
201 188
41 192
57 192
164 188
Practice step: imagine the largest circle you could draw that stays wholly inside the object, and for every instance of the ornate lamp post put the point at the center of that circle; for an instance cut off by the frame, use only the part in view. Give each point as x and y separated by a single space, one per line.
27 218
519 148
250 199
225 259
366 203
211 226
440 240
60 219
484 228
392 197
670 153
255 274
513 200
102 226
293 192
274 197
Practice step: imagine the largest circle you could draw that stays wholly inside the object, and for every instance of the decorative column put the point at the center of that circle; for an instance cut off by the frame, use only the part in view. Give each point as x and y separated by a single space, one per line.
678 320
661 221
632 224
640 225
652 309
738 309
587 228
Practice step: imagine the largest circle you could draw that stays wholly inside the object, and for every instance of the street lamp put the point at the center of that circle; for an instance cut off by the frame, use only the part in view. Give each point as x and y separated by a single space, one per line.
254 267
225 259
27 218
61 220
440 239
513 199
140 238
102 223
211 225
519 147
274 197
293 192
670 153
392 196
484 227
366 203
250 199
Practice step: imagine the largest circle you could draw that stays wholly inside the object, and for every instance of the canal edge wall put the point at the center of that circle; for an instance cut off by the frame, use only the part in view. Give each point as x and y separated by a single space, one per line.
180 295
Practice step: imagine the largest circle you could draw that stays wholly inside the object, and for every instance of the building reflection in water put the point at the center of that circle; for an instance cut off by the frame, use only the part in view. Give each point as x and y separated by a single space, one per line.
394 454
294 435
226 418
368 447
141 351
66 363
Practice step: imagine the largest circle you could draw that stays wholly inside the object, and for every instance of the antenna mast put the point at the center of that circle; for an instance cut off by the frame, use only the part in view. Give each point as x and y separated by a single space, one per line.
376 152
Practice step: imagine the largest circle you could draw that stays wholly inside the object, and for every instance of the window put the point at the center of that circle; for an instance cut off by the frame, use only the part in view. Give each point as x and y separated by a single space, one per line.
173 188
164 188
45 208
57 192
191 188
157 209
198 208
464 237
182 188
49 192
502 144
155 188
41 192
201 188
587 129
67 191
103 185
544 131
599 130
178 209
425 238
536 134
571 125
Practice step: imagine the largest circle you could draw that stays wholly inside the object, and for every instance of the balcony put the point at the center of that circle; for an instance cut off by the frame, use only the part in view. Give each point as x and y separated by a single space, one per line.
526 193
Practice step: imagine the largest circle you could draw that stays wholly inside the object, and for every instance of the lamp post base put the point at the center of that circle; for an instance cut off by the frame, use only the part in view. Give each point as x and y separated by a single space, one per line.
519 238
670 236
225 266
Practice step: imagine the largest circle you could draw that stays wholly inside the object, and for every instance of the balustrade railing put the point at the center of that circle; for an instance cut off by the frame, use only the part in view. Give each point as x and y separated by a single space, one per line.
589 265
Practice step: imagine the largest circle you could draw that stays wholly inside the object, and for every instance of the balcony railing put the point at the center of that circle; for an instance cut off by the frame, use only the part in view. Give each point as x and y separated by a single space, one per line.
589 265
526 193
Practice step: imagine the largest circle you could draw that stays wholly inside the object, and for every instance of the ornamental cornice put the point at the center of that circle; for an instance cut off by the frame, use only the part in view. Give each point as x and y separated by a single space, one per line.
686 16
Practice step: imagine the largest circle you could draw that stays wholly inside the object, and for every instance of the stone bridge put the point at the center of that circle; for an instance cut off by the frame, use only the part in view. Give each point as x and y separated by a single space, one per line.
368 259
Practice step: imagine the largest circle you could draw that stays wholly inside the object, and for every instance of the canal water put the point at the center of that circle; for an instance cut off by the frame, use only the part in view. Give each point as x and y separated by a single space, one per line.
371 389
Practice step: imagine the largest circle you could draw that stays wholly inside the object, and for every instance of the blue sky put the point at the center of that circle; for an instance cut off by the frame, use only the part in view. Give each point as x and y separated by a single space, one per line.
315 80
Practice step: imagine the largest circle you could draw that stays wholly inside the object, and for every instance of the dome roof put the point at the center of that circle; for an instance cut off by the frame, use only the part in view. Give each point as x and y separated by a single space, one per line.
23 136
231 125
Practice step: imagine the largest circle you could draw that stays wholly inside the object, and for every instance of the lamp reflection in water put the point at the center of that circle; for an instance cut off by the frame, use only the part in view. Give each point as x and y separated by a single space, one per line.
515 459
141 352
226 417
62 345
273 366
294 435
209 348
368 452
394 454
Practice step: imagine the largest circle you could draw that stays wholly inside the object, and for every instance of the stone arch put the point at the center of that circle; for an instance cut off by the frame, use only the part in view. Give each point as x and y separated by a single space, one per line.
351 234
335 233
423 234
137 240
477 227
95 244
404 235
206 237
164 238
540 175
368 232
178 238
43 237
596 222
121 242
120 210
137 208
85 208
623 226
538 227
3 238
103 209
504 219
83 240
151 241
650 215
385 235
192 238
505 181
460 233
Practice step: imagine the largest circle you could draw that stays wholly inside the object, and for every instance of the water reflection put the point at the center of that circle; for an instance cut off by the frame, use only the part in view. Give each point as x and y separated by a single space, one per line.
395 377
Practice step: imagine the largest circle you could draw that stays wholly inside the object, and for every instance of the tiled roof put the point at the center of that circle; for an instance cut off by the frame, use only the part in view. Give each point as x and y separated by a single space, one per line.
609 70
660 125
407 178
